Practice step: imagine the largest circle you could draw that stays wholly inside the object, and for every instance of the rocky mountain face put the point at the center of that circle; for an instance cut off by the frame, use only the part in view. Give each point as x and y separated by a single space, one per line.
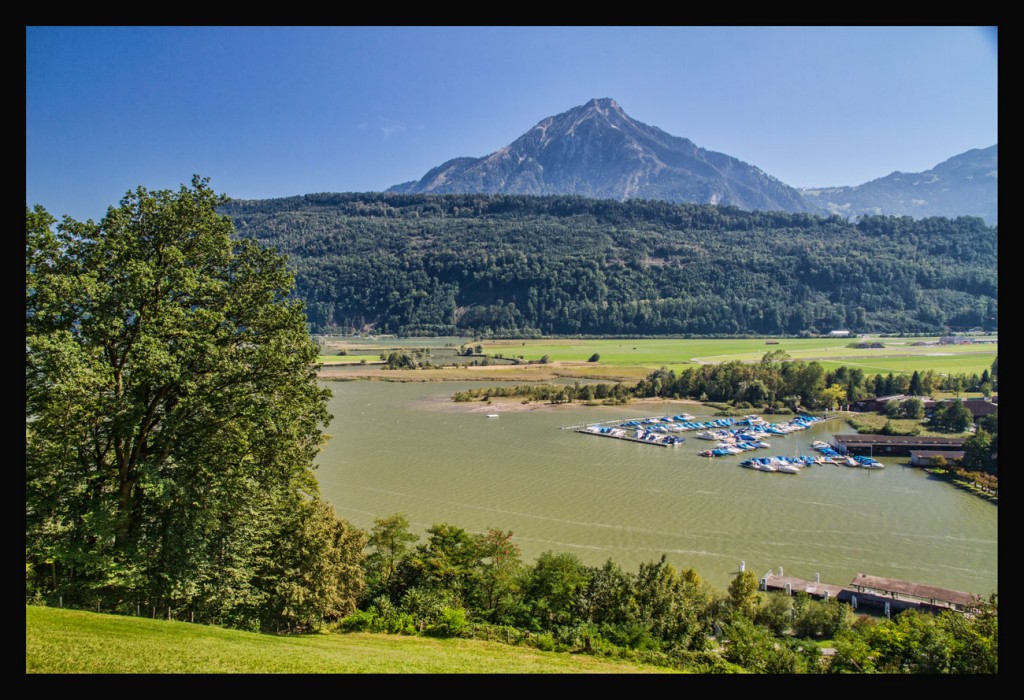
598 151
964 185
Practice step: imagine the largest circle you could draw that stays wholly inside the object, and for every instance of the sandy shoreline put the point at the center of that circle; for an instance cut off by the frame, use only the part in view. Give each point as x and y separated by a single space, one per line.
501 373
501 405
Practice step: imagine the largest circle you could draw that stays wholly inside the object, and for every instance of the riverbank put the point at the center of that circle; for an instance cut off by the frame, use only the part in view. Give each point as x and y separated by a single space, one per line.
499 405
491 373
991 495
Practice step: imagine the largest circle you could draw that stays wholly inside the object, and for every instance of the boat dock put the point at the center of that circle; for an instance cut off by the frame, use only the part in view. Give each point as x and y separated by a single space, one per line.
621 435
744 434
885 595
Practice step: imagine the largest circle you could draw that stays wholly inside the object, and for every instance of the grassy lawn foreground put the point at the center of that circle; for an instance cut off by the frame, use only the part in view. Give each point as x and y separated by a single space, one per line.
74 641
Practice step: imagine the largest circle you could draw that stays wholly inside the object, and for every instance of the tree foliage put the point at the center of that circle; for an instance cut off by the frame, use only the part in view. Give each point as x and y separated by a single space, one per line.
172 418
389 542
952 416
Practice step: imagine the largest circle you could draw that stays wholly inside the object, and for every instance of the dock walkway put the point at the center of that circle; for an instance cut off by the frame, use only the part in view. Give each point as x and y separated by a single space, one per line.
884 594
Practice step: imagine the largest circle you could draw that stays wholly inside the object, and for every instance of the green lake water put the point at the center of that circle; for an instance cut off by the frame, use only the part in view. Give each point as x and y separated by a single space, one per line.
405 447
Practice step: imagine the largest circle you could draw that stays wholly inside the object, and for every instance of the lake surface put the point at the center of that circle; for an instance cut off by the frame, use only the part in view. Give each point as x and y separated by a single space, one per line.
405 447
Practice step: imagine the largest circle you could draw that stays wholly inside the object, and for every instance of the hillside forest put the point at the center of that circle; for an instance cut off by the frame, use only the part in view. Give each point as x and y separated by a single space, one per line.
522 266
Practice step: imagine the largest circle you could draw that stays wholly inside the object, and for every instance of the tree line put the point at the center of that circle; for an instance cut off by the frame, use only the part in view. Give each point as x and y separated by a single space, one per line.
776 383
499 265
454 580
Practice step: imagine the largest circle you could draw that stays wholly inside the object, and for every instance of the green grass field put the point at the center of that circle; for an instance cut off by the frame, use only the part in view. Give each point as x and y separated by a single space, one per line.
898 355
348 359
76 642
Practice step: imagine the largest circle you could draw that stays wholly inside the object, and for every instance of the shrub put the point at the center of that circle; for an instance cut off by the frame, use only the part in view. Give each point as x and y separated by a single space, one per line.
453 623
359 621
544 642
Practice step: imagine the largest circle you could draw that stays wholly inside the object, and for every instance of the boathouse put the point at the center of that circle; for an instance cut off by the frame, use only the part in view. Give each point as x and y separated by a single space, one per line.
924 596
893 445
883 594
925 458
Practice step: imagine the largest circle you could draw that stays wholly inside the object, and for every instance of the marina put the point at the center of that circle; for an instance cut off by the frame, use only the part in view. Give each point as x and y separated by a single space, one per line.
598 499
732 436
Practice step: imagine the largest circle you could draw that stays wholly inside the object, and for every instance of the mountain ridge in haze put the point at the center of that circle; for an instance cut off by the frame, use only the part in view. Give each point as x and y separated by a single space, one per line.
966 184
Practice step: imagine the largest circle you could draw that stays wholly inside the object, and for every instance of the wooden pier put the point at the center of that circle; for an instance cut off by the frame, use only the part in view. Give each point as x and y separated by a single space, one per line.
885 595
630 438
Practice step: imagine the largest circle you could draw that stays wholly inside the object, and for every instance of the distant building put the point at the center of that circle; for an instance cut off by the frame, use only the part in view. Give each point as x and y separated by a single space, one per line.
925 458
893 445
839 334
878 403
928 597
979 407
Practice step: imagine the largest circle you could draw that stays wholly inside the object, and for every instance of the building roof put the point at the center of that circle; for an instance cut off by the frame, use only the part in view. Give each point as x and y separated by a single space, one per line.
930 454
868 439
981 407
925 400
915 590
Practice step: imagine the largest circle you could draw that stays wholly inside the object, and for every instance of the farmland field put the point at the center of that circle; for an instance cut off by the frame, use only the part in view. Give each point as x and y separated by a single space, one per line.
625 359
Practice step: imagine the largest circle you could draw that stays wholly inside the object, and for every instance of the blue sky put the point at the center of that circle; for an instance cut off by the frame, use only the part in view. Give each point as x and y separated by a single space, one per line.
279 111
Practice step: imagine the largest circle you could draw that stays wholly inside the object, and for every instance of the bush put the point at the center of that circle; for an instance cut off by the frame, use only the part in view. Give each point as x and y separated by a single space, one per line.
544 642
453 623
594 358
359 621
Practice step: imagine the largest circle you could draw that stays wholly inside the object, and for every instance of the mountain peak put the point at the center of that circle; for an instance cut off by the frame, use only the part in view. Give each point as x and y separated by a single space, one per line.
603 104
596 150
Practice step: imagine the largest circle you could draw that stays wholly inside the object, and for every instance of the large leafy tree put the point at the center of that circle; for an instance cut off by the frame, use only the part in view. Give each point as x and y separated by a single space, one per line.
449 560
553 591
671 603
743 596
390 541
172 412
500 569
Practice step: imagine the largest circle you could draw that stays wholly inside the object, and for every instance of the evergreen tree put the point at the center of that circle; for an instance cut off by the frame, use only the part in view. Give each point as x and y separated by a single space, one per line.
916 386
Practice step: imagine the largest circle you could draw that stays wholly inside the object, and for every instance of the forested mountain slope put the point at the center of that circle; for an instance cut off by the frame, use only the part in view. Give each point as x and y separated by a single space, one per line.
528 265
